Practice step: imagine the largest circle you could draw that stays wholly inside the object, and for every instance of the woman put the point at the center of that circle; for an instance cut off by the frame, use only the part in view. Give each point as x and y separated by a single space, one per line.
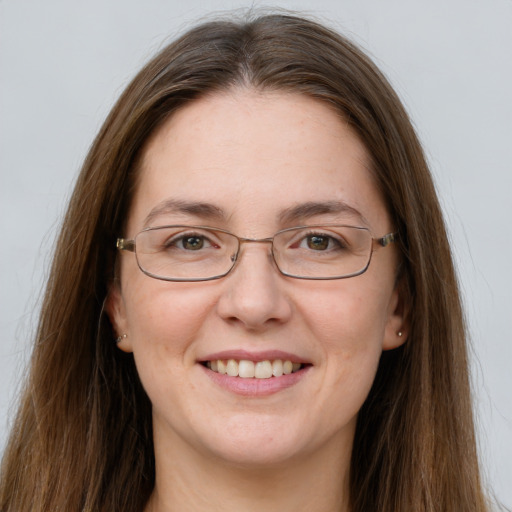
252 303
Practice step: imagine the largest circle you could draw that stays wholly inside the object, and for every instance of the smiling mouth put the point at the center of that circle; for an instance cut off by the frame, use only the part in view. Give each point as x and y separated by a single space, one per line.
247 369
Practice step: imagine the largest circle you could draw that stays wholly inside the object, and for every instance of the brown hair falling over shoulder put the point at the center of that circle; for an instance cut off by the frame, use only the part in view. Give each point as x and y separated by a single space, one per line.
82 439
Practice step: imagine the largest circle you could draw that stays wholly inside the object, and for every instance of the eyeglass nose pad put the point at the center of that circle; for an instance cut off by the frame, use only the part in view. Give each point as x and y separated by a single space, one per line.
233 257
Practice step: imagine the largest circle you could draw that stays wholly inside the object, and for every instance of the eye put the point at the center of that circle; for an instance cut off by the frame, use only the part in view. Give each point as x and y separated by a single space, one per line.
317 243
189 242
192 243
320 242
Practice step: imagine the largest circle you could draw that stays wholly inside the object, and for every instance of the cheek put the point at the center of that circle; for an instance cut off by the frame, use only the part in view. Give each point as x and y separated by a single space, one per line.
348 324
164 318
164 322
348 318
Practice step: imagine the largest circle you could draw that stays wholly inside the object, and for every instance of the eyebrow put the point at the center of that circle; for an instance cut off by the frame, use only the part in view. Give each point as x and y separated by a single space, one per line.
293 214
310 209
173 206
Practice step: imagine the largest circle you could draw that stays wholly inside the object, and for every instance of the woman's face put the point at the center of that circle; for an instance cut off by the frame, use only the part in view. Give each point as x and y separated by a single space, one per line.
247 162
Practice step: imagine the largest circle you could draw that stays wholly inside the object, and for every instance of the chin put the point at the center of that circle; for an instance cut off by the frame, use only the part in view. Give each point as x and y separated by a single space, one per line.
261 442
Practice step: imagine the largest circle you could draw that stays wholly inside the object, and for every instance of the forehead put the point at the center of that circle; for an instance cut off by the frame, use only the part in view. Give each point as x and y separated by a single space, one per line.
253 155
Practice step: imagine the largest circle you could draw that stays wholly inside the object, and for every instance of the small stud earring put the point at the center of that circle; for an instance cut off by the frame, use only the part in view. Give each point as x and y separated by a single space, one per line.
120 338
399 333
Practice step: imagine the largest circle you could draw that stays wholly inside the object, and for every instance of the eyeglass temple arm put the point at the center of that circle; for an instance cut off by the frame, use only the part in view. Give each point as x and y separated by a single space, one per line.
125 245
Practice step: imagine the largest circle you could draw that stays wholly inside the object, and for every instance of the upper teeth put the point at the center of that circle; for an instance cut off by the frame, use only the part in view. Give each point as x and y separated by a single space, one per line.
250 369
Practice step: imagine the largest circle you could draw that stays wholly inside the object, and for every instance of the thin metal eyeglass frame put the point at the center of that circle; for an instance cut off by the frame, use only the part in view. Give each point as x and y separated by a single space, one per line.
130 245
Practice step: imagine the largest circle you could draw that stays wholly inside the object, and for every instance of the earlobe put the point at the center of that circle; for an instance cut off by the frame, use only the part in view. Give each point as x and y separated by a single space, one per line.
394 339
397 325
116 311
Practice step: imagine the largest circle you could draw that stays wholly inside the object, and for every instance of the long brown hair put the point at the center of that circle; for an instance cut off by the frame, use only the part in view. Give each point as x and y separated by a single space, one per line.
82 439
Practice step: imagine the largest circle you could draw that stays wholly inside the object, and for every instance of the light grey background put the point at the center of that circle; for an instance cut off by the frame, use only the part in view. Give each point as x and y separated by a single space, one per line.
62 64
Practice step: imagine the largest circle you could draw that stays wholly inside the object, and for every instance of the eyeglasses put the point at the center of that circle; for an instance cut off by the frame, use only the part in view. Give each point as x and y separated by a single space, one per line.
199 253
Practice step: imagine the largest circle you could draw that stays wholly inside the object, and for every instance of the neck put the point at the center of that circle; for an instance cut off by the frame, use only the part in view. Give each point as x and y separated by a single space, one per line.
192 482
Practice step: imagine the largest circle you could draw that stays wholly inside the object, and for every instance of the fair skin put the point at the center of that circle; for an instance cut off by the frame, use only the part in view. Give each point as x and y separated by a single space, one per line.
254 156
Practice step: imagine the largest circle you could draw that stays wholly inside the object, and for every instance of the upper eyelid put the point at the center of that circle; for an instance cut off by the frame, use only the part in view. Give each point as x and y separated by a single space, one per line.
190 231
312 231
244 239
320 230
337 239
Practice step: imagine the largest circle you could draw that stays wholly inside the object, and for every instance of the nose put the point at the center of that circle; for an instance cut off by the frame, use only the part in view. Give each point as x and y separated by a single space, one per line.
253 293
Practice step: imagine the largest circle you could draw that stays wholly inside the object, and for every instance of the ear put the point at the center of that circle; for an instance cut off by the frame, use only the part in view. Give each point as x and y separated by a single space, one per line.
397 324
116 311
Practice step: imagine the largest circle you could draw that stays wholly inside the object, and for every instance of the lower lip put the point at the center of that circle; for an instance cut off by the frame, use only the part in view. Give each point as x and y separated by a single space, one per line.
256 387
